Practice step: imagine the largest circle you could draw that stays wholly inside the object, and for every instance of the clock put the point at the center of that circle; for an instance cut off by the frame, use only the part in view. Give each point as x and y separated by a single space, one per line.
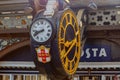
41 30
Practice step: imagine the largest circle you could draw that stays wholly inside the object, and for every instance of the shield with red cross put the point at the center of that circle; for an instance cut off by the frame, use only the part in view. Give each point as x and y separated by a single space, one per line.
43 54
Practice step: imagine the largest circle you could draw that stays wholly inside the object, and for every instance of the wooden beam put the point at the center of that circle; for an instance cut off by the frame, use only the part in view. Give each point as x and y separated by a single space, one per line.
13 5
14 30
4 2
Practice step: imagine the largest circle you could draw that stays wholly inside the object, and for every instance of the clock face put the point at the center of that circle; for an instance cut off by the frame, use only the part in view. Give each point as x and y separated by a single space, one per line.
41 30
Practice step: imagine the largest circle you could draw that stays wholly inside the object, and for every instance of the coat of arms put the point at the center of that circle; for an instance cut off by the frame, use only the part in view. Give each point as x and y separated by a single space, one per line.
43 54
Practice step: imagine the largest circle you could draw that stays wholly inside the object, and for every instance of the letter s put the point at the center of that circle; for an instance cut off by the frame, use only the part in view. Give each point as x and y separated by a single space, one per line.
87 53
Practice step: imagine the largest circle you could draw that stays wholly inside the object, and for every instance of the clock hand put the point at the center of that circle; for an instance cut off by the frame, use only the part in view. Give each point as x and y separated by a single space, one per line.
37 32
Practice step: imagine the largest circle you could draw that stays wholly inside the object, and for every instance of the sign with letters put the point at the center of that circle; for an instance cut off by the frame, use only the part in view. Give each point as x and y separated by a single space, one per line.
96 53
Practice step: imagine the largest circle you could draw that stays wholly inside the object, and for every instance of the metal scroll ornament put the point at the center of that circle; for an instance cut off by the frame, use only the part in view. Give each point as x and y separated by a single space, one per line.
5 43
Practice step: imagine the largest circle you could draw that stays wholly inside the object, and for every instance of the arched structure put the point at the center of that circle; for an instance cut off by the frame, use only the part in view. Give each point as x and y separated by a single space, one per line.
13 47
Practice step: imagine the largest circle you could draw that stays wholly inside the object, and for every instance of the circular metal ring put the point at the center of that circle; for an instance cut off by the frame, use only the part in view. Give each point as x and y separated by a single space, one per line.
69 42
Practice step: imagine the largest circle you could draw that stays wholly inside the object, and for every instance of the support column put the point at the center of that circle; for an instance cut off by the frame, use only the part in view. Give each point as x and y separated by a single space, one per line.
43 77
103 77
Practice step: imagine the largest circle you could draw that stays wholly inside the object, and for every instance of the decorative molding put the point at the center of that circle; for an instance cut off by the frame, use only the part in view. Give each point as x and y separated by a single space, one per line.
97 65
8 42
17 64
11 45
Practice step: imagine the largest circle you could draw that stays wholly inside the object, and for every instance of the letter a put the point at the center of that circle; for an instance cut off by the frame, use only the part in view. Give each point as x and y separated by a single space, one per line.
102 53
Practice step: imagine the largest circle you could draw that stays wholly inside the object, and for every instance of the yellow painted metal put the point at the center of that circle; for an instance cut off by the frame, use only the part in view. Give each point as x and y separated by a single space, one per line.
67 1
69 65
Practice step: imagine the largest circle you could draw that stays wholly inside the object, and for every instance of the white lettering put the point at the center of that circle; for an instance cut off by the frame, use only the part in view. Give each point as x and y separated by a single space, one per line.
87 53
102 53
94 52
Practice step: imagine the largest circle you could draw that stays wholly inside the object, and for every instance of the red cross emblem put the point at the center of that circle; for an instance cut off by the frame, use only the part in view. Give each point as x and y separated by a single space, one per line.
43 54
